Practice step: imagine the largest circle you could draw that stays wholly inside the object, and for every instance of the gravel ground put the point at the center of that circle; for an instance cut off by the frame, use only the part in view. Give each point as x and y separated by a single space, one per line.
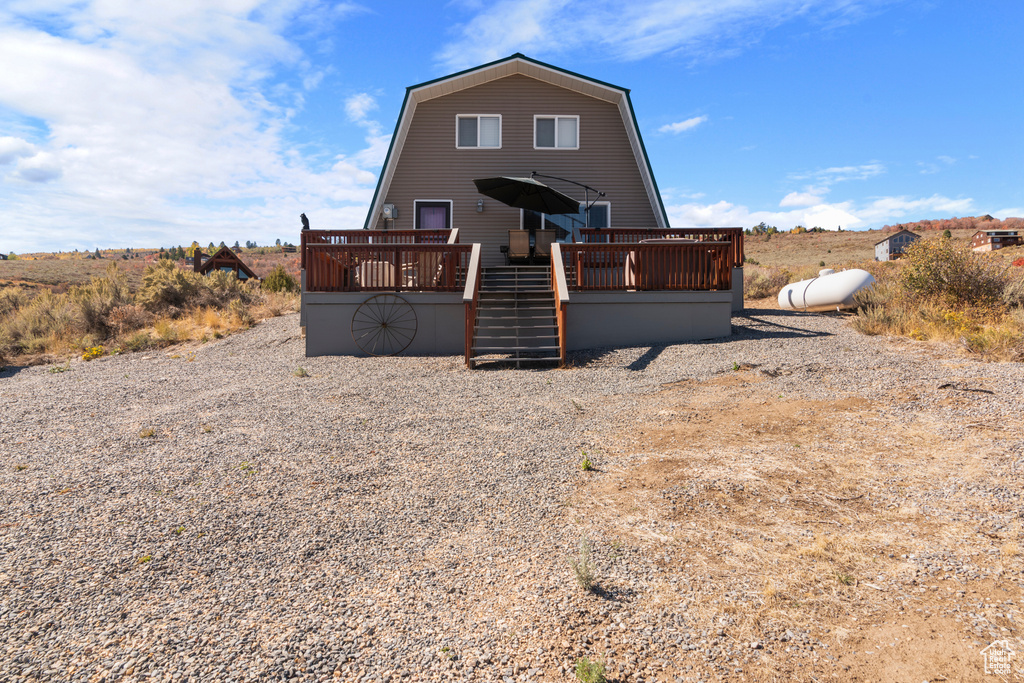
206 513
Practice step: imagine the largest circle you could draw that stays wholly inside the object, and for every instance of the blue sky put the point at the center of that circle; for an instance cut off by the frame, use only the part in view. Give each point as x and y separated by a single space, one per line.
153 123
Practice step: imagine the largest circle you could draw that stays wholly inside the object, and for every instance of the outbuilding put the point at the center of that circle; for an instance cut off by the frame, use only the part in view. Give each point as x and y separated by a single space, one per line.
891 248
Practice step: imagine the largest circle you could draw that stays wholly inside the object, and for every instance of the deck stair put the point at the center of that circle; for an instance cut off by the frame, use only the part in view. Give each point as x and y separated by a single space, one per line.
515 319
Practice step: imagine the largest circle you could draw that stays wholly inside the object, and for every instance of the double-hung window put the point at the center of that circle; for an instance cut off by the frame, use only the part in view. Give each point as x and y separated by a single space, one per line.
556 132
478 131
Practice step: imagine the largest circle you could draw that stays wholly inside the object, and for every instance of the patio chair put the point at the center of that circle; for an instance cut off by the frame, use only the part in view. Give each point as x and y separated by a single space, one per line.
373 274
542 245
428 270
518 245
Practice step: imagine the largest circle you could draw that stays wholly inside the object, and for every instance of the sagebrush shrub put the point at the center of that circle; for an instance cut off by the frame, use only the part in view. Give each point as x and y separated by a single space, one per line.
92 303
953 274
166 288
760 282
12 299
124 319
279 281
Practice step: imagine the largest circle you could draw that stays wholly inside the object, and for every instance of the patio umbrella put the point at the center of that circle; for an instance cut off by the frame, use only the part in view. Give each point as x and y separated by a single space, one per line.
527 193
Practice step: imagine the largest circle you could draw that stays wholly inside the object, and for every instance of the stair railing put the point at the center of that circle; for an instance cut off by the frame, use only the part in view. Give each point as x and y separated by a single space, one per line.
470 298
558 283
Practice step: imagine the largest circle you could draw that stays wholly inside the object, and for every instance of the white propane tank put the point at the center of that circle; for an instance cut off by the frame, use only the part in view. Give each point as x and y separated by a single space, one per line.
830 291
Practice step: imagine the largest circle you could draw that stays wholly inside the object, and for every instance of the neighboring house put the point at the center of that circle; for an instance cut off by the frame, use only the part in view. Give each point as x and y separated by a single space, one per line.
510 118
427 274
891 248
223 259
990 240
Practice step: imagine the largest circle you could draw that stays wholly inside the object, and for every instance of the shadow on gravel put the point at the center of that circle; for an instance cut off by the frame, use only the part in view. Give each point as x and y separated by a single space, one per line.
649 356
12 370
750 324
613 593
771 324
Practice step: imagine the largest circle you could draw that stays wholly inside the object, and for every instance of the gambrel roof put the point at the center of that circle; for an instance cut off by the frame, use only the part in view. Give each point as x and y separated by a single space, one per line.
522 65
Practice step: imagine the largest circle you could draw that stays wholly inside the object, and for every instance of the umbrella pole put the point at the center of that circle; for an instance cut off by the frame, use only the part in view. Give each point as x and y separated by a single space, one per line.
586 191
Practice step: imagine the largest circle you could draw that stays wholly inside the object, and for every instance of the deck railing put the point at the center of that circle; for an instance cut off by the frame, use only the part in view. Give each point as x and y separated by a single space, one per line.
470 298
633 235
692 266
311 237
386 267
561 291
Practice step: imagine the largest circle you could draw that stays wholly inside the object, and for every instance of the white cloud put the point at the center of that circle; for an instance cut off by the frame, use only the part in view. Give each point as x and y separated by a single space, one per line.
12 149
930 167
39 168
1010 212
358 106
683 125
800 199
837 174
377 142
847 214
641 28
508 26
173 115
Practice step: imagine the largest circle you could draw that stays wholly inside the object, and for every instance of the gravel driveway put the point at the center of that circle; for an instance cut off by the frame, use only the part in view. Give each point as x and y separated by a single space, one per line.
205 513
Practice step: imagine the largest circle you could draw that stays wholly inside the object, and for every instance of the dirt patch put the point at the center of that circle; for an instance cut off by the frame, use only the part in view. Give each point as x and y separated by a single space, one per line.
848 538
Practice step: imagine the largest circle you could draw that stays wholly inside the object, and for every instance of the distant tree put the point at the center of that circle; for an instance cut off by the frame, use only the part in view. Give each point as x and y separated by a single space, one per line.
97 254
191 251
798 230
221 245
946 234
210 247
278 242
237 246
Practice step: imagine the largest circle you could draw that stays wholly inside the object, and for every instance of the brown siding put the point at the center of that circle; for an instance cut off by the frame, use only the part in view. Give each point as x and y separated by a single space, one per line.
430 167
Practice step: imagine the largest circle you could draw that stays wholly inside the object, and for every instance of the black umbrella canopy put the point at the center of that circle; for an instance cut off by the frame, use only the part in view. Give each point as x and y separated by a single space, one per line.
527 193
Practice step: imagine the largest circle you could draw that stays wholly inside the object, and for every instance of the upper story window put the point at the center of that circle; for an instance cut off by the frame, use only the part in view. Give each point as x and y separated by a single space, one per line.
556 132
478 131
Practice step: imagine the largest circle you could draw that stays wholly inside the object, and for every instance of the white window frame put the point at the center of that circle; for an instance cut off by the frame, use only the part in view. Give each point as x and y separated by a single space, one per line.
416 213
556 117
477 117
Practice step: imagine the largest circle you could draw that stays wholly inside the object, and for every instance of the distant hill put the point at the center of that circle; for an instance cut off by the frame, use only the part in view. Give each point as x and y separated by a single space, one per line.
972 223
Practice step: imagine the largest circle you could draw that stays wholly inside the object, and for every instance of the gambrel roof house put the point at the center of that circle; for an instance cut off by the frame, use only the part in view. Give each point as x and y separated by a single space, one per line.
427 274
510 118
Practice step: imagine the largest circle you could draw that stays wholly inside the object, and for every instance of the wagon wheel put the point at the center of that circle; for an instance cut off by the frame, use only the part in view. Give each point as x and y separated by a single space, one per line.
384 325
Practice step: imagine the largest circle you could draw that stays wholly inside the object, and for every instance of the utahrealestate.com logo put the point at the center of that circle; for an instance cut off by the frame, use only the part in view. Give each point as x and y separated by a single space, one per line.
999 660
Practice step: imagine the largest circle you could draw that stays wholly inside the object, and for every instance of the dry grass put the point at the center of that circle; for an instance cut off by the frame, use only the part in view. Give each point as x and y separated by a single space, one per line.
107 314
795 512
836 249
946 293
